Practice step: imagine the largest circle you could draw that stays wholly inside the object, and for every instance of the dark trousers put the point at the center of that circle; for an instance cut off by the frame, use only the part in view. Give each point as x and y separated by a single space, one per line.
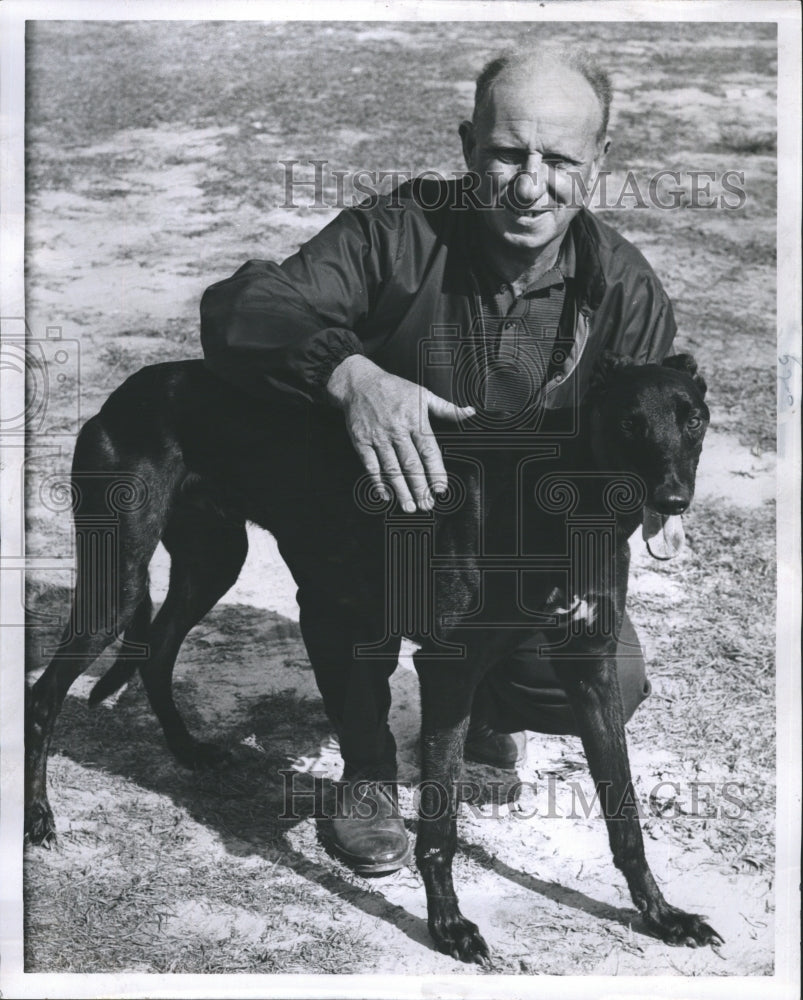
523 692
322 542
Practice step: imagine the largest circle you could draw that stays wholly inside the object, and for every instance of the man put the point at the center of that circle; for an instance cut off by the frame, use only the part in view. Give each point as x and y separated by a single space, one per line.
511 254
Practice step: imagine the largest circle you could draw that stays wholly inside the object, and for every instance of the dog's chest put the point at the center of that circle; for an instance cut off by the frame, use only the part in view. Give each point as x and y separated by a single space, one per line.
579 609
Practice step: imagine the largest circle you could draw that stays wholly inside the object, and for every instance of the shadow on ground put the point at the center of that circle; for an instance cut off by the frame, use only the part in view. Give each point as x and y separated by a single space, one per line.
245 804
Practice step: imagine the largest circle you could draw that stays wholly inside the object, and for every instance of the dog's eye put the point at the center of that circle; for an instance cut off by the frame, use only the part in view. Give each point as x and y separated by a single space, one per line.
627 425
694 423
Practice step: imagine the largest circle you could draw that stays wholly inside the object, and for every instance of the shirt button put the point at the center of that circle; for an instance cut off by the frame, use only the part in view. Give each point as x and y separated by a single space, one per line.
509 325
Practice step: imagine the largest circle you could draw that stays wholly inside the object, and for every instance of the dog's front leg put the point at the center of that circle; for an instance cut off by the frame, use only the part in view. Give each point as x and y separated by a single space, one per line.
593 689
445 711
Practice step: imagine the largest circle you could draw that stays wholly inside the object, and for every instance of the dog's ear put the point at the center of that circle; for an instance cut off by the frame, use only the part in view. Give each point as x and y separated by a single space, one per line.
681 363
606 365
686 364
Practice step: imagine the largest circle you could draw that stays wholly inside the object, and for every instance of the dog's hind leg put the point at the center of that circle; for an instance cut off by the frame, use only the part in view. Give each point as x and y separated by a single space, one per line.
103 605
125 666
593 690
207 552
119 503
446 695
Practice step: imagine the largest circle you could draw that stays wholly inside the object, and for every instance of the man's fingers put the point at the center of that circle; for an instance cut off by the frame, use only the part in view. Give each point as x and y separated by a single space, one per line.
396 444
433 461
392 472
414 472
439 407
370 461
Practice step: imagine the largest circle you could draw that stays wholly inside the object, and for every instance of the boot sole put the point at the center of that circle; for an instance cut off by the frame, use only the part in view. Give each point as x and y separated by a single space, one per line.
373 867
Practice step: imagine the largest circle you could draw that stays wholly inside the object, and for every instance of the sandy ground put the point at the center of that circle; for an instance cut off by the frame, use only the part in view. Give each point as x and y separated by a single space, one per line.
535 874
123 285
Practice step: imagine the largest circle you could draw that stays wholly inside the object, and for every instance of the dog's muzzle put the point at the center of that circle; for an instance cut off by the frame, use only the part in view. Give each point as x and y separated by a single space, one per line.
662 533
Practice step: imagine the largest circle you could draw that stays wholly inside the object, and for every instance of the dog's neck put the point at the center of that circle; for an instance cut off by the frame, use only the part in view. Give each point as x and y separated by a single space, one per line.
579 431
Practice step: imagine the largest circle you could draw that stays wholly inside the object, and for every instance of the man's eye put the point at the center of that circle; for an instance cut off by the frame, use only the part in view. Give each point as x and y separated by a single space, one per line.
507 155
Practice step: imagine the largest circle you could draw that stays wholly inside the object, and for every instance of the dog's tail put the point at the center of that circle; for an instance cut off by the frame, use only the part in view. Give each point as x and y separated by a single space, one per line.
126 664
115 677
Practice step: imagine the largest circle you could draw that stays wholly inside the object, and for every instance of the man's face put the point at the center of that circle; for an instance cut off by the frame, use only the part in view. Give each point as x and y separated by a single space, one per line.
535 130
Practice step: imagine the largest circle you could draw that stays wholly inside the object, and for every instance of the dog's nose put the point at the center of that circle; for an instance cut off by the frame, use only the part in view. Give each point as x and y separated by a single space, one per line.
674 504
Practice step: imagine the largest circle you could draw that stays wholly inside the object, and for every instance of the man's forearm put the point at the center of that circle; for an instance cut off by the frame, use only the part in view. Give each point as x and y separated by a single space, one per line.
257 331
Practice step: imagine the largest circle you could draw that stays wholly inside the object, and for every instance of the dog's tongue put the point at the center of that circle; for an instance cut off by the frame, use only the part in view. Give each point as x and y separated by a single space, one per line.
663 535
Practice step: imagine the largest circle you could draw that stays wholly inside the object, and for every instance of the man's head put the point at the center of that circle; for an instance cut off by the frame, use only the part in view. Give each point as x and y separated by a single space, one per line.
537 138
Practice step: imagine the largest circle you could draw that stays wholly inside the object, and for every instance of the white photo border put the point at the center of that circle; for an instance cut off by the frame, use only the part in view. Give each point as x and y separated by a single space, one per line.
14 982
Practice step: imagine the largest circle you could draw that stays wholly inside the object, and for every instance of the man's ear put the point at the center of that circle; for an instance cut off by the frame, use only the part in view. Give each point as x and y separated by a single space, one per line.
598 163
686 364
469 141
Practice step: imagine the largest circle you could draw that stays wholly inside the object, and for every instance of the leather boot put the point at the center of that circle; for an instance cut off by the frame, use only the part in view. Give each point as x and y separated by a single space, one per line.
485 746
368 832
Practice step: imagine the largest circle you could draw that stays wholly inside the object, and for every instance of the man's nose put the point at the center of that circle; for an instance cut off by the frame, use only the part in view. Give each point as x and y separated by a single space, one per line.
530 183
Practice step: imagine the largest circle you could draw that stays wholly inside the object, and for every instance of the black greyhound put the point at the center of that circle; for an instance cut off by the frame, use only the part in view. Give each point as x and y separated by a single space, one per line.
176 455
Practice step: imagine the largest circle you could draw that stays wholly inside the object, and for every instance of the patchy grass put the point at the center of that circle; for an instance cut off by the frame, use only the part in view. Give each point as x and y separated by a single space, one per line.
206 881
715 669
673 109
165 870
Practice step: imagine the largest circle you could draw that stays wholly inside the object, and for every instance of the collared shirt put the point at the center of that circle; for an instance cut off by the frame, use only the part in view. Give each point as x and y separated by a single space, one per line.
524 340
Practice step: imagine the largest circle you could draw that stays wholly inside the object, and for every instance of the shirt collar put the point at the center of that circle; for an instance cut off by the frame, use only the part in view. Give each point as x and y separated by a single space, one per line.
564 267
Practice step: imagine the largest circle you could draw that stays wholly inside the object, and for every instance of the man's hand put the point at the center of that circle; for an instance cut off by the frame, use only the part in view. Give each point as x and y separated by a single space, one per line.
388 421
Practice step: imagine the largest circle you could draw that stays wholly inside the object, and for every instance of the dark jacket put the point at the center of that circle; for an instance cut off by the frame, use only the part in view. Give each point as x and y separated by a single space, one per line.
394 281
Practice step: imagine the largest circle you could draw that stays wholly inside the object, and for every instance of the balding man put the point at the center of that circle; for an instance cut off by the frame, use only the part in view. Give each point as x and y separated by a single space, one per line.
507 260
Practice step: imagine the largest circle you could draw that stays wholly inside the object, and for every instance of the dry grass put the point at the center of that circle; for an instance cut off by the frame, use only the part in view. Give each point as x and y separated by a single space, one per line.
137 886
716 674
165 870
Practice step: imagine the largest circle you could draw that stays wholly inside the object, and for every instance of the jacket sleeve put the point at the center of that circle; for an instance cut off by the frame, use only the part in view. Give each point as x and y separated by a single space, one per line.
288 326
648 322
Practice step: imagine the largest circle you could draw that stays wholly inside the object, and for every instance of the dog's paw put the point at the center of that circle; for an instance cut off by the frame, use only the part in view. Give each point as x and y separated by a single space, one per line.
459 938
679 928
40 824
198 756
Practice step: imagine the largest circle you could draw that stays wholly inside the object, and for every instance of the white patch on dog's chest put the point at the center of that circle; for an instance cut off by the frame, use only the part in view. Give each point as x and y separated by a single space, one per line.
581 610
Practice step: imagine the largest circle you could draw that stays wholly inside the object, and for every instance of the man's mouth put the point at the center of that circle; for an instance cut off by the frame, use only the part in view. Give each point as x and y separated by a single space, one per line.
528 213
531 216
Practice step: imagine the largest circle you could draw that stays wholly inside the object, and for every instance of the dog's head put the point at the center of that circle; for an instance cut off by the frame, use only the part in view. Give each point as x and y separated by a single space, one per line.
650 421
